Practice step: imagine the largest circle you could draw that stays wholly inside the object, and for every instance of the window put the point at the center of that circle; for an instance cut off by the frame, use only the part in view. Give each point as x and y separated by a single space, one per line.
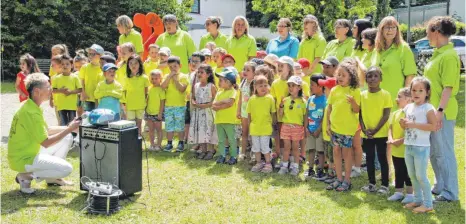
196 8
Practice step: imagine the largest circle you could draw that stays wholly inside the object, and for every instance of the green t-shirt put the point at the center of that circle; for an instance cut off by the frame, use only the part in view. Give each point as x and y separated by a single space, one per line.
313 48
397 132
372 107
395 63
28 131
181 44
339 50
241 48
220 40
443 70
358 53
133 37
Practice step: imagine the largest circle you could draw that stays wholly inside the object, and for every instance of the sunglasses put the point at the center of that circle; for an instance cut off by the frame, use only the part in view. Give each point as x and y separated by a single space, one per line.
92 54
291 104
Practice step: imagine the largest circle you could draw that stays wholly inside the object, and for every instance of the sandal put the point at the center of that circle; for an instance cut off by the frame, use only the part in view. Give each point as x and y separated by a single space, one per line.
345 186
333 185
423 209
412 205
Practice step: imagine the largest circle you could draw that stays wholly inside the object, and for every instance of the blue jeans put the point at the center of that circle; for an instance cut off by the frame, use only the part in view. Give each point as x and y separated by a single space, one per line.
417 158
443 161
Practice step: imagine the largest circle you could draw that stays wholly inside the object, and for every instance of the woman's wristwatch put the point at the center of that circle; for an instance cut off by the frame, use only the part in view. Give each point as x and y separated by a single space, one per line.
440 109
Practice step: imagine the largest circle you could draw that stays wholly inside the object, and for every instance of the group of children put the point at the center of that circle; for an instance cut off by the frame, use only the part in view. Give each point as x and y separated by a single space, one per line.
220 111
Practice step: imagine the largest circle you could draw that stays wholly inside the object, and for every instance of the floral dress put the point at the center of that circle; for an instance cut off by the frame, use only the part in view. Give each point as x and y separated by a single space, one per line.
202 128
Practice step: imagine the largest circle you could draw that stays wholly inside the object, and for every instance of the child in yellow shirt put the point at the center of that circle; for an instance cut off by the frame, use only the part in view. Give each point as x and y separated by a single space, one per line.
135 90
164 54
90 75
154 109
175 85
109 92
66 87
152 61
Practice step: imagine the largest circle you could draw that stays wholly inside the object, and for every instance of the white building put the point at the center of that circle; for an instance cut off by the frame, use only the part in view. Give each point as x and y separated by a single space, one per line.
421 14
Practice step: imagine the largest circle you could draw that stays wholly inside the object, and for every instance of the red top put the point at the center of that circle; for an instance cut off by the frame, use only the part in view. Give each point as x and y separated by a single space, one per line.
22 86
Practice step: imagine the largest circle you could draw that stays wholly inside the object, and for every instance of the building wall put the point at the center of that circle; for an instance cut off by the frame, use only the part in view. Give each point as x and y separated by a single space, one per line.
458 9
226 9
421 14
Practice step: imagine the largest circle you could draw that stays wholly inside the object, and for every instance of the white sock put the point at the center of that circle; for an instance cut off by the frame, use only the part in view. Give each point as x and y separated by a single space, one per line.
295 165
357 169
410 195
285 164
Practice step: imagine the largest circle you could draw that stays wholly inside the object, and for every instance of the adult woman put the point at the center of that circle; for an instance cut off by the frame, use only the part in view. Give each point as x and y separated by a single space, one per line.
128 34
368 44
443 71
180 42
240 44
34 150
313 43
359 26
394 57
212 23
342 46
285 44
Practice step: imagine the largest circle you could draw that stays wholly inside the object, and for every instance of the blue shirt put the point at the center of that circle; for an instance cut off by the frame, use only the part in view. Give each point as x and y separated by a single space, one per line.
315 107
288 47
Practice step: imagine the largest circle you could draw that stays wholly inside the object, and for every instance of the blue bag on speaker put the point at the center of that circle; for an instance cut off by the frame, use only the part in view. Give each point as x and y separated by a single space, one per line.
101 116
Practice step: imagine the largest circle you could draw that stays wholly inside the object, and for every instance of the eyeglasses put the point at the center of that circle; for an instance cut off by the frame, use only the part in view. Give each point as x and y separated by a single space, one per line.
207 24
195 61
388 28
91 54
291 104
282 26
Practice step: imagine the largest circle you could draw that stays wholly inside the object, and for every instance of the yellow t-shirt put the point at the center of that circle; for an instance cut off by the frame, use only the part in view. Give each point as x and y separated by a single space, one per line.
261 109
156 95
149 66
325 126
306 88
165 71
313 48
114 89
175 98
397 132
372 106
70 82
227 115
343 120
135 92
133 37
279 90
296 114
91 75
28 131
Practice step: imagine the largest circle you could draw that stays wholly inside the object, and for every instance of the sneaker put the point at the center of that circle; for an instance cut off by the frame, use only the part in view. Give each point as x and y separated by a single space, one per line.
440 198
310 173
221 160
157 148
370 188
283 170
330 179
168 148
258 167
294 171
409 198
241 157
397 196
355 173
232 161
151 148
320 175
201 155
267 168
383 190
180 148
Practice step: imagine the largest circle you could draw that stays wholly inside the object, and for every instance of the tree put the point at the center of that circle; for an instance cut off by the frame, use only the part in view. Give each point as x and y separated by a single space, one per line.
383 10
35 26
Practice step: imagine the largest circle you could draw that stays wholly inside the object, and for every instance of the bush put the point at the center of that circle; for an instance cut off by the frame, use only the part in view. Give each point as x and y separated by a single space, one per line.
460 29
419 31
262 42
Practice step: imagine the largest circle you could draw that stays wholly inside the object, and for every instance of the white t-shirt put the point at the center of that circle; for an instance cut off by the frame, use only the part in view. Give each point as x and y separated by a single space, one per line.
417 114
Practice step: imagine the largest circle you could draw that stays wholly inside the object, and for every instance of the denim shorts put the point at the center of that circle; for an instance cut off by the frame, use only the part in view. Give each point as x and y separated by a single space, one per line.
342 141
174 119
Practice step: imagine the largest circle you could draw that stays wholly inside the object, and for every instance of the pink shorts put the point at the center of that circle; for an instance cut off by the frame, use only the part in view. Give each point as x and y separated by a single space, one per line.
292 132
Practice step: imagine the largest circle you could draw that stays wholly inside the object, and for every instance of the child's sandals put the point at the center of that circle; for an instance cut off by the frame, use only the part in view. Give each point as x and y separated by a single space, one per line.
333 185
345 186
423 209
210 155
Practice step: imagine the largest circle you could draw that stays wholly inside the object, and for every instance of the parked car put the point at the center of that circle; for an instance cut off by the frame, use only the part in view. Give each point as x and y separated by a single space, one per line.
423 51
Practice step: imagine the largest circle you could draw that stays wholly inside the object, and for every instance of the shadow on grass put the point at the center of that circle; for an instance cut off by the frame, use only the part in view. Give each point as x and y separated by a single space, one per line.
20 199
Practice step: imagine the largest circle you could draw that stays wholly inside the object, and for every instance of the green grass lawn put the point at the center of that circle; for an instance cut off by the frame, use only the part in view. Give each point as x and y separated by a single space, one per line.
186 190
8 87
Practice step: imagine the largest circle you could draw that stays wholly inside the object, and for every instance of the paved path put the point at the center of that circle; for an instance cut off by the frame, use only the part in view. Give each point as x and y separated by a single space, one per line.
10 104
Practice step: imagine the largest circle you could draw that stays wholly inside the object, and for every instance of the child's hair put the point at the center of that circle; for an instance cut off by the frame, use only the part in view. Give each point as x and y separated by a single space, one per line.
130 47
355 69
141 66
291 73
66 57
174 59
124 21
315 78
57 58
30 63
210 43
154 46
424 81
375 70
156 72
259 79
220 50
405 91
80 56
63 48
208 70
199 55
253 66
265 71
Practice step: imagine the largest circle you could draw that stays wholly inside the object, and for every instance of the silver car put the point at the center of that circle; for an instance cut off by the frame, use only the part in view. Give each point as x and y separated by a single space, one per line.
424 51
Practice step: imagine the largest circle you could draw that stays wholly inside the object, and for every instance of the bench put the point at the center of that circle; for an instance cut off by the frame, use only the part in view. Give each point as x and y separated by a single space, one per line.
44 65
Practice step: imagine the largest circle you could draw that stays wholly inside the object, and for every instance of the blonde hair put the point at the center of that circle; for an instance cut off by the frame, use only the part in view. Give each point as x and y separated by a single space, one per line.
156 72
129 46
63 48
125 22
287 22
246 23
380 43
310 19
154 46
220 50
